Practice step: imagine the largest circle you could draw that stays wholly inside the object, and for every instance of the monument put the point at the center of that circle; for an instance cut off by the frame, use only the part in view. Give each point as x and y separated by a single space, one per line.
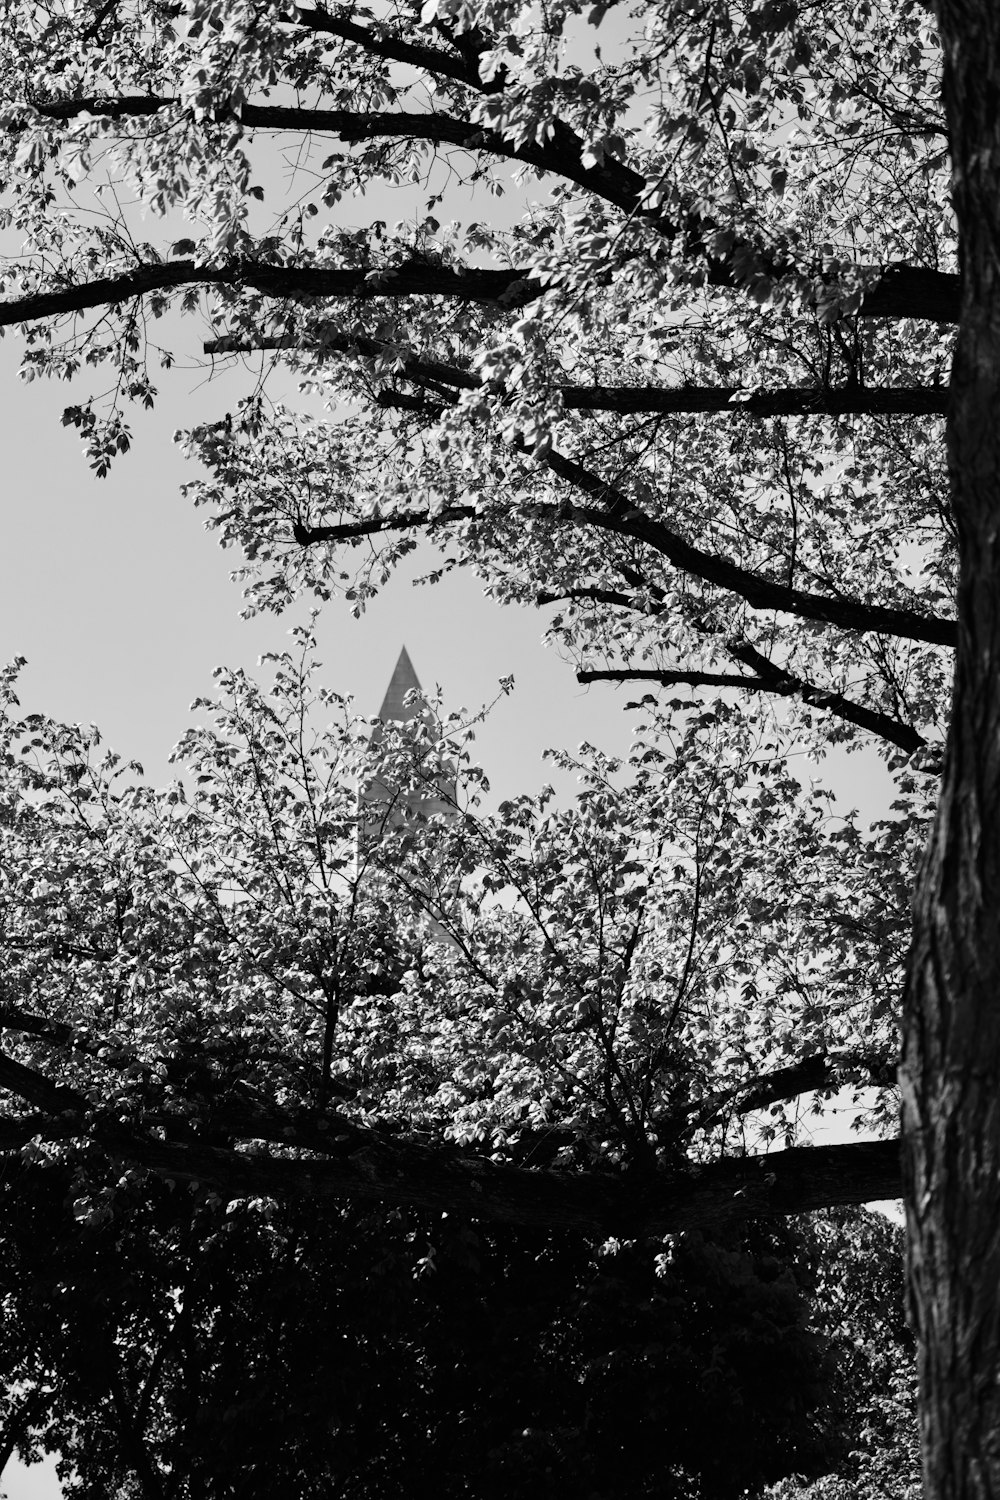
424 784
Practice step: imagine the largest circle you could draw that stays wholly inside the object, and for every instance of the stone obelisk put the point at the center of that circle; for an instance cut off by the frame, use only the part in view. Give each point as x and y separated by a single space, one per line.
432 790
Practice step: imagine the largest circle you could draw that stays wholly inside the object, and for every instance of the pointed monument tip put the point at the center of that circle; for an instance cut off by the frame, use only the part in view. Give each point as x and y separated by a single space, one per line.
405 665
404 680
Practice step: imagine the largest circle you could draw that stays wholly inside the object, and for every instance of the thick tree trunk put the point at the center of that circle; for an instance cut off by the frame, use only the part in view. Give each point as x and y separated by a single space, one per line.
951 1065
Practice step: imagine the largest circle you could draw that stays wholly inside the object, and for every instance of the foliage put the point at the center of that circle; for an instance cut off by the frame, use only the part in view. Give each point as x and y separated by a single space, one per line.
236 959
658 343
858 1300
178 1349
554 985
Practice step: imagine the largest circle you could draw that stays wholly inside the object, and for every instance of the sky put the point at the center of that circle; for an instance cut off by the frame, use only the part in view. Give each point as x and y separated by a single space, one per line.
122 602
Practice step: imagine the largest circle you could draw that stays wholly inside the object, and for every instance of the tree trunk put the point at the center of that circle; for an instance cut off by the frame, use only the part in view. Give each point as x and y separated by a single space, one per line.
951 1063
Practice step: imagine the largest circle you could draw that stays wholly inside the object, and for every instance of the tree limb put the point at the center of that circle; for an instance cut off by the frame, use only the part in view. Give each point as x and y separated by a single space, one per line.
619 515
321 1156
784 684
817 1072
770 677
351 531
852 401
624 519
507 287
36 1089
14 1019
383 43
899 291
561 154
627 400
593 1203
689 677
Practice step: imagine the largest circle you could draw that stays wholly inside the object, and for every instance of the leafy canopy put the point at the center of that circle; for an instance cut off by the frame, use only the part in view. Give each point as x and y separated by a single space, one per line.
643 313
658 344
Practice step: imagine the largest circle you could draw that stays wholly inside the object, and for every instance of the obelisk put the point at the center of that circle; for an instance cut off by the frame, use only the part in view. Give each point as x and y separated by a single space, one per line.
432 790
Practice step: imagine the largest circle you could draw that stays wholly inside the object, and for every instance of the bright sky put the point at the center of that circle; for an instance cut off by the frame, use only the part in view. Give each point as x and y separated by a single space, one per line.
37 1483
122 601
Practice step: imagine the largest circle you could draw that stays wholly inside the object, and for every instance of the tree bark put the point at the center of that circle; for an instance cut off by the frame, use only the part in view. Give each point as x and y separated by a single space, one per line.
951 1064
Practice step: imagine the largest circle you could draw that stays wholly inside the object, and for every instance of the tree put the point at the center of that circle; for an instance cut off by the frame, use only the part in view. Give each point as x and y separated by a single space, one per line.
858 1300
690 392
178 1348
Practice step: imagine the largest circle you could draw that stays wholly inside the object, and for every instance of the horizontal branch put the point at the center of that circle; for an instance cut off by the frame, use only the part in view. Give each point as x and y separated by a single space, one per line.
442 1179
770 677
384 43
33 1087
337 1158
787 685
561 154
621 517
683 676
412 366
14 1019
898 291
352 531
815 1073
628 400
286 283
781 683
850 401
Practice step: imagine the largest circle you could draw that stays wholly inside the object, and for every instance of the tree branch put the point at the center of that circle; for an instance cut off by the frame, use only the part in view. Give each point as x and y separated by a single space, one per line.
809 1075
442 1179
336 1158
352 531
770 678
690 677
627 400
561 154
383 43
413 366
624 519
619 515
787 684
510 288
775 680
853 401
36 1089
900 291
13 1019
